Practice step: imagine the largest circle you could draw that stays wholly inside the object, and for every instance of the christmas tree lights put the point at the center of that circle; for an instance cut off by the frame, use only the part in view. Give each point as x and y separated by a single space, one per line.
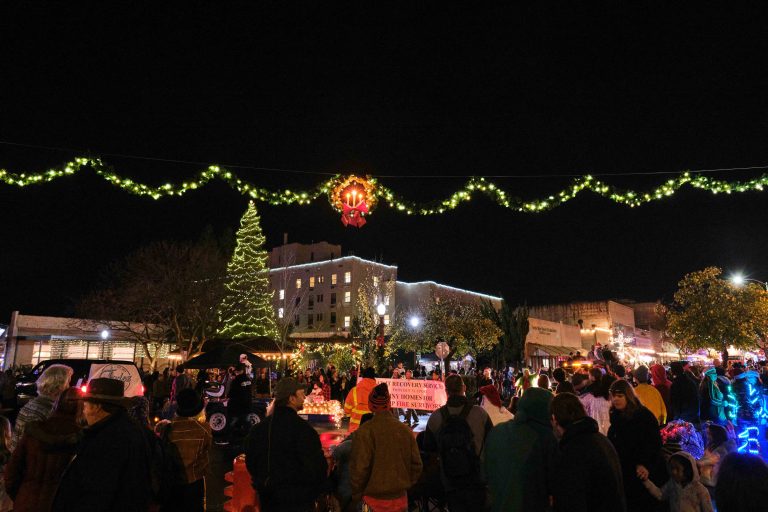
246 309
378 192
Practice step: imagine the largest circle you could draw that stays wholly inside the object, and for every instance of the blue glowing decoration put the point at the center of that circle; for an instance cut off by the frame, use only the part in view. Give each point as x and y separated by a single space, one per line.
749 441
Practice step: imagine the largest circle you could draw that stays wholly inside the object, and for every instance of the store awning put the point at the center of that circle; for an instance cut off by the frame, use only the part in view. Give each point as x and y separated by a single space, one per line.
534 349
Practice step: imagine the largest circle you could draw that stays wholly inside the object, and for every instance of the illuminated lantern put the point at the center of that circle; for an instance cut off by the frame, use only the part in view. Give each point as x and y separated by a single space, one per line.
354 197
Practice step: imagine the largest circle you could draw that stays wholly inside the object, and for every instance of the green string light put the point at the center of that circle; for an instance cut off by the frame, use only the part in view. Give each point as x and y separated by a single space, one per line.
471 188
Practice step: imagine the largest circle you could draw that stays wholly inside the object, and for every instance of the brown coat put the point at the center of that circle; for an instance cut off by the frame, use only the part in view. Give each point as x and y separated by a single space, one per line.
385 460
36 466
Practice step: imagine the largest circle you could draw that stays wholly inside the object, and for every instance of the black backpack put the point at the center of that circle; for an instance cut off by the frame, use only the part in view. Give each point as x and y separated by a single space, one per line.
459 463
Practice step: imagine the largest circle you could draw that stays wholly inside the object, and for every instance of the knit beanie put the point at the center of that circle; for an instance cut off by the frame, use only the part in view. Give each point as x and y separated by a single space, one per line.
378 400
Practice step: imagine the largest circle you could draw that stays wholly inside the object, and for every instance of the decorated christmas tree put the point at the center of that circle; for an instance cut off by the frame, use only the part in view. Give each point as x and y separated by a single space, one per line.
246 310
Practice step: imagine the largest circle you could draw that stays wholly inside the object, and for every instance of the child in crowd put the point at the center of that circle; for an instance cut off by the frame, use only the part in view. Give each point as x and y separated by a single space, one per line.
718 446
5 456
683 491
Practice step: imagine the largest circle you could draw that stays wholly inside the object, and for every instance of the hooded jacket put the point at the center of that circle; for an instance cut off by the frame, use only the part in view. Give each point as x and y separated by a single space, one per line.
662 384
746 390
356 404
520 454
694 497
588 473
34 471
712 400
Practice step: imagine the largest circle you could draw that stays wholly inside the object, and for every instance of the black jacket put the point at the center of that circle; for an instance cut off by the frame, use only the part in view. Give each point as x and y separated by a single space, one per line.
110 470
587 472
286 462
684 395
638 442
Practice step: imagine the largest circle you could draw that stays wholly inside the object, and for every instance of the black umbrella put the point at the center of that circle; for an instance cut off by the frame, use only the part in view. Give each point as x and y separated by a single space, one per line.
225 355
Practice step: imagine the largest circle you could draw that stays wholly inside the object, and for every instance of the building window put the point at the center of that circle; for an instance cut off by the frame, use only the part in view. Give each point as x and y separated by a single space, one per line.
298 300
282 294
280 313
347 297
347 277
375 300
319 317
347 321
298 283
333 299
333 279
375 281
319 297
333 318
320 279
312 282
311 302
386 319
296 320
386 300
310 320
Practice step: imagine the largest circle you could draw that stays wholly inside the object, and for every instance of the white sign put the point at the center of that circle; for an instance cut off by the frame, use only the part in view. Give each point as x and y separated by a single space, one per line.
129 376
425 395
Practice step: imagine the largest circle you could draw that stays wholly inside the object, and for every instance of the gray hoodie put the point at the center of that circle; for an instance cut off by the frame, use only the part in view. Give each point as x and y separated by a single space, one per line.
694 497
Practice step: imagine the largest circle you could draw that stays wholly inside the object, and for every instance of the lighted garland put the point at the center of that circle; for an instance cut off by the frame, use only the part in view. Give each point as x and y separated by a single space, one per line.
376 191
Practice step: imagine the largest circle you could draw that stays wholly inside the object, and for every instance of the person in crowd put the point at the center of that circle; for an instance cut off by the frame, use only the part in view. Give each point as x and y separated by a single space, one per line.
410 414
519 456
663 385
161 390
325 387
543 382
385 461
597 403
711 399
718 446
113 444
580 382
6 501
262 383
51 383
587 472
648 395
485 378
345 386
491 402
239 398
634 433
284 455
9 390
42 455
741 484
559 376
341 455
192 440
747 393
595 377
683 490
684 394
356 403
182 381
565 387
335 382
201 381
467 425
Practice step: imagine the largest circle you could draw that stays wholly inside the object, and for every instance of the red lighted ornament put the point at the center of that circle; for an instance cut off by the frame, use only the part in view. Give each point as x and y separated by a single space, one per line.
354 197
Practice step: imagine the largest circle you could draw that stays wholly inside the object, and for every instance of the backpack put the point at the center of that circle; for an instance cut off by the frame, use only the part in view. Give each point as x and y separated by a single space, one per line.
459 463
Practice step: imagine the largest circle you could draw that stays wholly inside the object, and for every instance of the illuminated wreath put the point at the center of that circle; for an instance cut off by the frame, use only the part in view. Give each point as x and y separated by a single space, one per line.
354 197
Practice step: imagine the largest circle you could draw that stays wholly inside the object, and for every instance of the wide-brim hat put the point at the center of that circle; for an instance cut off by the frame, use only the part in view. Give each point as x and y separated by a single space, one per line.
188 403
103 390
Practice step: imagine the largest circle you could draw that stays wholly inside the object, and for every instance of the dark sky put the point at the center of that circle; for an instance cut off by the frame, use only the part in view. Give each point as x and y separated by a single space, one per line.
392 90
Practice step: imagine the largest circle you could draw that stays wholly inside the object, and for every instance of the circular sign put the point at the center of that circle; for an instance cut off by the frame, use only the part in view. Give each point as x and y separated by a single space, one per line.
442 350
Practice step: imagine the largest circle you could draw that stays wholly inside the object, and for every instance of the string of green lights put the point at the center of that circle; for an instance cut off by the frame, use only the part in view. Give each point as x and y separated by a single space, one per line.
476 185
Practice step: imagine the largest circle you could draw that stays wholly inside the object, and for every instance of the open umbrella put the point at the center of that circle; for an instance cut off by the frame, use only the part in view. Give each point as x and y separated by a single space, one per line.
225 355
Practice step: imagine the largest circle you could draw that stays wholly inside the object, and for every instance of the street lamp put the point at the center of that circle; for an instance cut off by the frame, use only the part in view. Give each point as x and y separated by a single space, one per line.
414 321
104 334
381 309
739 280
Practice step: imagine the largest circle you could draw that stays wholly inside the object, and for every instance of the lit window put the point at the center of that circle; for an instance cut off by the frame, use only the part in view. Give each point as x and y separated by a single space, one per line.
375 300
347 297
347 277
320 279
280 313
282 294
375 281
347 321
333 278
311 282
386 319
298 283
386 300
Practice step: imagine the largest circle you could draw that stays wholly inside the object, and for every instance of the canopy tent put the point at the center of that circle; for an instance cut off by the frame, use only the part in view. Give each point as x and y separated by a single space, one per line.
225 355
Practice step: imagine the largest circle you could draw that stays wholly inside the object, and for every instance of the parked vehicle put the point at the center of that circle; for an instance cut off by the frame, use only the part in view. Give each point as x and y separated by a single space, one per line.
216 411
83 371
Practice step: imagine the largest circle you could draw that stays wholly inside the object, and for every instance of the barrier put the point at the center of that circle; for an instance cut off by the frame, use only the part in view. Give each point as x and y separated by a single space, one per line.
242 494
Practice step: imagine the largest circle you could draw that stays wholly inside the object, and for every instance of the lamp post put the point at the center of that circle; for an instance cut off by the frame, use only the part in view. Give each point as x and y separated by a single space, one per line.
739 280
381 309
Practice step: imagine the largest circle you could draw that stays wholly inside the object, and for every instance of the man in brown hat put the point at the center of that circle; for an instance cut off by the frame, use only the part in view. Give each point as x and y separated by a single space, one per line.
284 456
385 460
110 471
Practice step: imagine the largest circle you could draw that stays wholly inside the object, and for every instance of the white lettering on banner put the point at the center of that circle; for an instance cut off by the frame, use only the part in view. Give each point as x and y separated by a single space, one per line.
118 372
425 395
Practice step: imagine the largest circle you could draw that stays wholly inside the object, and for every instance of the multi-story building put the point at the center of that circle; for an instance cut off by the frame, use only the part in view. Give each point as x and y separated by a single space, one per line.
320 292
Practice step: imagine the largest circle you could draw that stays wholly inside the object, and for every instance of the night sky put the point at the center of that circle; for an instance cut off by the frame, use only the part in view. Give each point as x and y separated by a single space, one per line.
396 91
